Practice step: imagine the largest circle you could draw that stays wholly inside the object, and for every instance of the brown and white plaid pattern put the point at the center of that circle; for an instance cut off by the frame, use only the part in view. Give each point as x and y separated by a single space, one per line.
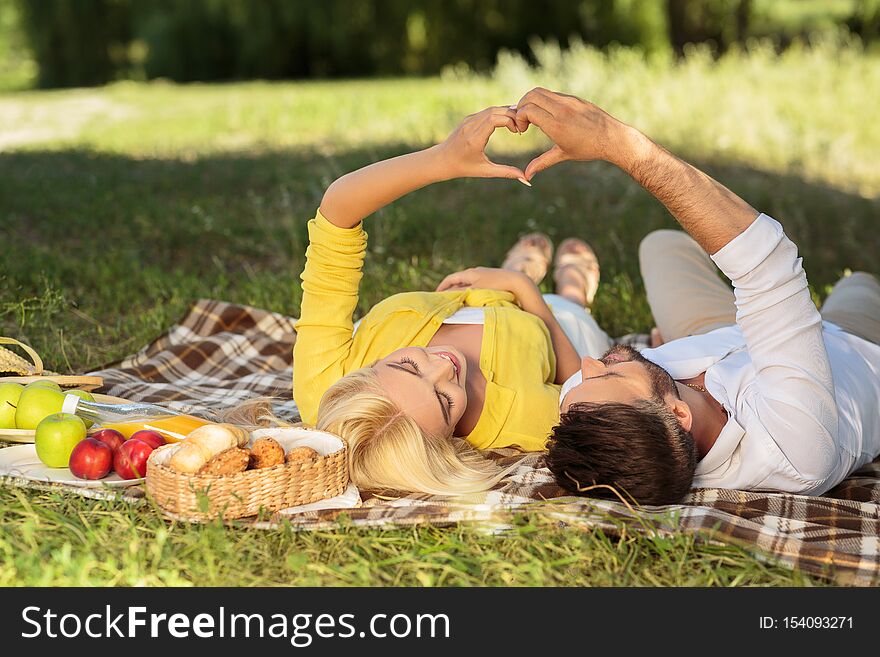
222 354
218 356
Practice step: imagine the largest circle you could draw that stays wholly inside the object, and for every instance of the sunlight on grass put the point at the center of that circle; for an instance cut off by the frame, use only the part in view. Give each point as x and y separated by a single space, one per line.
54 539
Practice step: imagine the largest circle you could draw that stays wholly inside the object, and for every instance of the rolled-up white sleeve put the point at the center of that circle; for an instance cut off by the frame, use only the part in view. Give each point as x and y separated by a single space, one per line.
794 396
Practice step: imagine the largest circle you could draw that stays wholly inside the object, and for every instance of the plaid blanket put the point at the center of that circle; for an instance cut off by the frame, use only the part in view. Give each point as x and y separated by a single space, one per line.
221 354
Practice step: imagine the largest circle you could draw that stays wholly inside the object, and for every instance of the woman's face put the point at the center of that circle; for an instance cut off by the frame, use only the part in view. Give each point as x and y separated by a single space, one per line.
428 384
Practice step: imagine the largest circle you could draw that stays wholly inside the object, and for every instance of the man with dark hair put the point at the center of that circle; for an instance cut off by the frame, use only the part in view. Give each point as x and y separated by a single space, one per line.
754 388
638 446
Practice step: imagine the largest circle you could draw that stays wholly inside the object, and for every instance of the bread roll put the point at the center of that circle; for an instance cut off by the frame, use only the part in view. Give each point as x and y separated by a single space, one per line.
202 444
266 452
229 461
301 455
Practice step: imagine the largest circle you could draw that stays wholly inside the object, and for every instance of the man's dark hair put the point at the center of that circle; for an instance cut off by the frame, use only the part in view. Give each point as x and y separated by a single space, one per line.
640 449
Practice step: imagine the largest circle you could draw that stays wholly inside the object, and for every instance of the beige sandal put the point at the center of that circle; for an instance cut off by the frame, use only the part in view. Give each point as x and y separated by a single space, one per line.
530 255
576 271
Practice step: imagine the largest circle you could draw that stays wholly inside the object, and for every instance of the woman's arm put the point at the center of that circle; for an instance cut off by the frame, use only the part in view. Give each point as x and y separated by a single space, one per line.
567 360
358 194
337 245
530 300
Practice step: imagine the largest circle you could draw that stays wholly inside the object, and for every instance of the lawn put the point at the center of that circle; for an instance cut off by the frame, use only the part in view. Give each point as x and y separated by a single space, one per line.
119 206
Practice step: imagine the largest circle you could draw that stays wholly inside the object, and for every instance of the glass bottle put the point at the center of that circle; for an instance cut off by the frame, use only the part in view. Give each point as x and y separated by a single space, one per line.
134 416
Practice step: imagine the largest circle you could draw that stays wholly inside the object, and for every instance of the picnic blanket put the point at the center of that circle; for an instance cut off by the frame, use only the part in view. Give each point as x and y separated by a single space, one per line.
221 354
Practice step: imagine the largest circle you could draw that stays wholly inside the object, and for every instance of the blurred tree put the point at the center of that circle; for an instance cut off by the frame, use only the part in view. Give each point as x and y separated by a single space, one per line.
17 68
186 41
81 42
865 20
626 22
73 40
718 22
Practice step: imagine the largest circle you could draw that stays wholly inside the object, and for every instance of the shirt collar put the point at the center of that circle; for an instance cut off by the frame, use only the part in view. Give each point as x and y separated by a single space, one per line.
723 449
691 355
571 382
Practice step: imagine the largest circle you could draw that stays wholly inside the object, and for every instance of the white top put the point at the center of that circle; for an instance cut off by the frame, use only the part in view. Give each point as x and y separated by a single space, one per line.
464 315
802 395
467 315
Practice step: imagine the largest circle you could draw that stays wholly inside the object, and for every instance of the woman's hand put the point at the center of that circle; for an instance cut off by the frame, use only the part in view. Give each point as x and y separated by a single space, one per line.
463 153
360 193
530 300
489 278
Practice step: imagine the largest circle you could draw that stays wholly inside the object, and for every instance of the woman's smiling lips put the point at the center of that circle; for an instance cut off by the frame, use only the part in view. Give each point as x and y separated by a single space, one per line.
452 359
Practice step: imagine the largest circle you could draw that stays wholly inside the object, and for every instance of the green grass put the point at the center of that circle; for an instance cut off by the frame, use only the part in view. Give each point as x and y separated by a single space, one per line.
56 539
119 206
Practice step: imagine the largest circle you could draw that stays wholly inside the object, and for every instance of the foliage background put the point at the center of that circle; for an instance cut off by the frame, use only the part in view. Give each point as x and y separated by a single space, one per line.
89 42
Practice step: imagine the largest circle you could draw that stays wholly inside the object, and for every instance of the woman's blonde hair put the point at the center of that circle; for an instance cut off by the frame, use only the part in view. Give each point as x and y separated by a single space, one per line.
388 451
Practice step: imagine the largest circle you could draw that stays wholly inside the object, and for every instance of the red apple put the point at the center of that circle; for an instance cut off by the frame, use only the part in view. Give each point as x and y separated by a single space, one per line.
110 437
130 460
153 438
91 459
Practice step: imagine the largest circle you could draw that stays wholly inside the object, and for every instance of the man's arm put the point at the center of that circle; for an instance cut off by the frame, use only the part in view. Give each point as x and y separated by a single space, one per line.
793 395
706 209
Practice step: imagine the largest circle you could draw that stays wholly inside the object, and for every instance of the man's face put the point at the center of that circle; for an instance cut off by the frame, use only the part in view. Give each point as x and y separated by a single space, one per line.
622 375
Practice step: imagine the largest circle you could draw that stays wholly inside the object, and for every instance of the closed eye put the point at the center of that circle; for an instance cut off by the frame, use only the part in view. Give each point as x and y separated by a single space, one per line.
410 361
444 408
447 397
415 371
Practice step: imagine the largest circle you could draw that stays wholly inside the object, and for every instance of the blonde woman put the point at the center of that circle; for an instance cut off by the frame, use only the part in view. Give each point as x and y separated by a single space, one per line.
480 359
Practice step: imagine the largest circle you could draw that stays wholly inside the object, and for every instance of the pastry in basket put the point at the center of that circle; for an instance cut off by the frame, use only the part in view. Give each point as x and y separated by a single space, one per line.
266 453
229 461
301 455
204 443
221 487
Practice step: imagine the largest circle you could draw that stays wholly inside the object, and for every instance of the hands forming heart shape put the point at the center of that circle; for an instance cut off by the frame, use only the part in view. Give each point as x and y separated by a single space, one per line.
579 129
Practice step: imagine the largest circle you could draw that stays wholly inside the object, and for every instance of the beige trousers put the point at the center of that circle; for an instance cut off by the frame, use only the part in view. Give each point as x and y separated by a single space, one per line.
687 297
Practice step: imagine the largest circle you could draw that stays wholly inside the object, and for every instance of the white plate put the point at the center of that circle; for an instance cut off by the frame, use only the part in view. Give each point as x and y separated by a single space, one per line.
322 442
27 435
22 461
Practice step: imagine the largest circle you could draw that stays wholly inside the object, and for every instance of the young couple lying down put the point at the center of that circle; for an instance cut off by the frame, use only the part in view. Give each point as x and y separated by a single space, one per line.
427 379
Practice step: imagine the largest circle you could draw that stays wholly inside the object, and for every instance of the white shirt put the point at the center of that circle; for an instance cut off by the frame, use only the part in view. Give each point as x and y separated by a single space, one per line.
802 396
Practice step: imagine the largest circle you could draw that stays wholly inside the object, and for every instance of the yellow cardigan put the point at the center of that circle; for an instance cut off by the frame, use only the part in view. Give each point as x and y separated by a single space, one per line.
516 354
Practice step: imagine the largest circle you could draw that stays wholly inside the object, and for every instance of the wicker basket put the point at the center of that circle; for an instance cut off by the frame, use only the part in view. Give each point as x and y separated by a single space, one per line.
205 497
24 372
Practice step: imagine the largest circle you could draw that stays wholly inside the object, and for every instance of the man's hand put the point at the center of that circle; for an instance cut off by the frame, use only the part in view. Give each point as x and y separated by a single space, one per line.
708 211
463 153
579 129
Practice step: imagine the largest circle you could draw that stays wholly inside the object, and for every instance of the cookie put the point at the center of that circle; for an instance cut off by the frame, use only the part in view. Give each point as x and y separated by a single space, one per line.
266 452
301 455
229 461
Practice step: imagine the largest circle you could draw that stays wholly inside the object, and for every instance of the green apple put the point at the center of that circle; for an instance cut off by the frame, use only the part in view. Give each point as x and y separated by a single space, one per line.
82 394
36 402
46 383
56 436
9 394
